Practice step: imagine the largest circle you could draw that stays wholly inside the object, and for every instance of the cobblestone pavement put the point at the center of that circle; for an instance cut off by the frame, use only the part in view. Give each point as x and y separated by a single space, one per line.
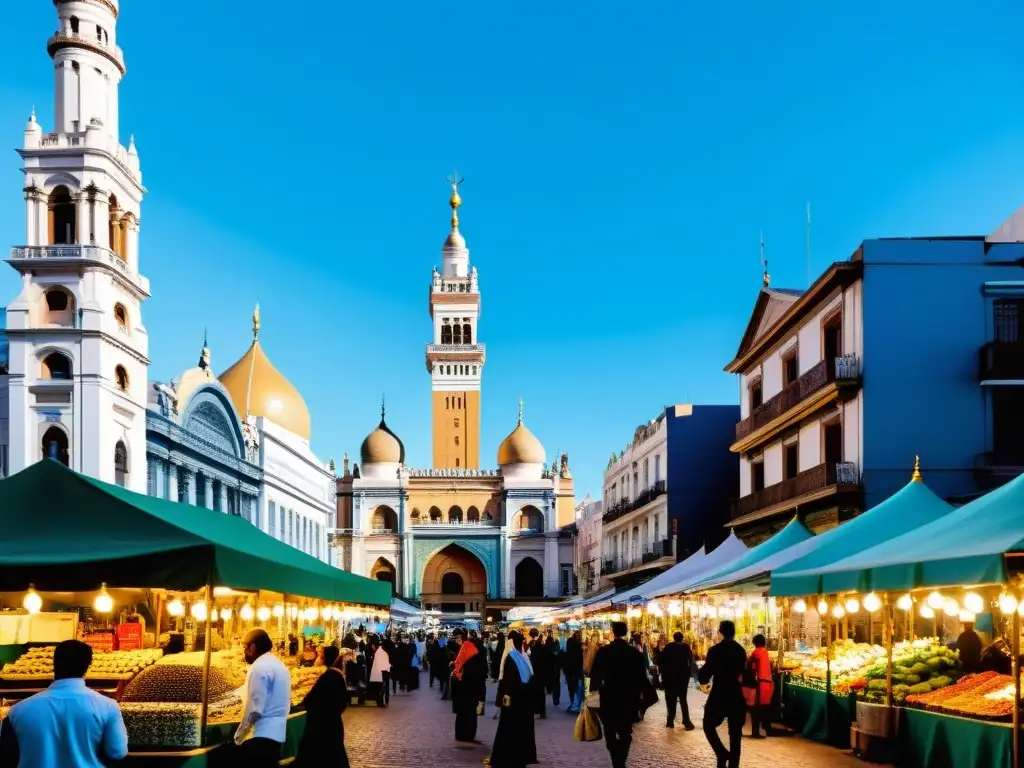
418 730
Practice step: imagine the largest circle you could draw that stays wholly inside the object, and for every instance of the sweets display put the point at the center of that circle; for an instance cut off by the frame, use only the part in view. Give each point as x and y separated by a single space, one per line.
37 663
161 724
175 683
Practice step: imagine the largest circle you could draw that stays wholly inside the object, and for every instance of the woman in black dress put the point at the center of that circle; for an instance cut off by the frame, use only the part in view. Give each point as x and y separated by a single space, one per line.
515 743
323 741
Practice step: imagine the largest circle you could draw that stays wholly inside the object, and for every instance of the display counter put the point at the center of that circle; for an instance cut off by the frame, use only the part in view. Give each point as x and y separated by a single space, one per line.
929 740
817 715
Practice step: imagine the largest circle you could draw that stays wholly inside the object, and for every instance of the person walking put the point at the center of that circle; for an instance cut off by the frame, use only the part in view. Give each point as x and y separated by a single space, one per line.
380 674
618 675
758 696
323 739
723 668
67 724
539 659
268 700
554 678
515 742
469 687
675 664
572 666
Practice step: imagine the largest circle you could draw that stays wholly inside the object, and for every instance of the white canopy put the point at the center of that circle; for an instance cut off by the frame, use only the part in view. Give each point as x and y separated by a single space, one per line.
402 610
693 569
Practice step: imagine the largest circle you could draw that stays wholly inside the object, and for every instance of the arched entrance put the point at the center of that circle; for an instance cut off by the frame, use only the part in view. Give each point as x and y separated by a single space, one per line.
384 571
529 578
384 520
454 580
55 445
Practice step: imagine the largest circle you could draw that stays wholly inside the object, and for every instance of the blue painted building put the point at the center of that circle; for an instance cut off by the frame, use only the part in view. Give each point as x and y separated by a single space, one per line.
913 346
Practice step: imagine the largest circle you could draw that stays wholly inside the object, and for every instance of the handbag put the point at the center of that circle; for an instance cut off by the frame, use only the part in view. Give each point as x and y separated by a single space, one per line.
648 693
588 727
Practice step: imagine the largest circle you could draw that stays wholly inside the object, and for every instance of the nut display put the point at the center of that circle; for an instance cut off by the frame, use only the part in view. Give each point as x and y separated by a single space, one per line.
161 724
175 683
37 663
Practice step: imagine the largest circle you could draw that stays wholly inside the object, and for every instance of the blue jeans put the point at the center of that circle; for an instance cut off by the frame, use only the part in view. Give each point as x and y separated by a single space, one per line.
576 696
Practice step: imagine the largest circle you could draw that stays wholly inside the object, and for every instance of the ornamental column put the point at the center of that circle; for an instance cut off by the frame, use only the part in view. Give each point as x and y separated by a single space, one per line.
506 565
208 493
82 229
172 482
551 570
159 490
224 499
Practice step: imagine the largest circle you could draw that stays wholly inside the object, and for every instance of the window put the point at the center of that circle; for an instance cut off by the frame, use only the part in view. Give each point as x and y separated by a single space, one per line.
456 440
647 533
456 462
121 316
74 25
446 333
757 477
121 464
832 339
647 477
657 469
791 461
1008 325
121 377
57 300
449 372
456 423
756 394
55 366
273 520
474 370
467 334
457 334
790 367
657 528
280 521
290 538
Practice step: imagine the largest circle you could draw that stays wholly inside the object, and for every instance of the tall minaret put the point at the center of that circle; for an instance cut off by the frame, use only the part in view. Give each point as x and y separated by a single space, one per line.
78 348
455 359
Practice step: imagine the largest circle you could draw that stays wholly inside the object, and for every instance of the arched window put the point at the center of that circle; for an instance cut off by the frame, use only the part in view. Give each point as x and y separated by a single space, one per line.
449 373
384 519
61 210
529 578
452 584
55 445
455 515
415 515
74 25
57 300
530 519
446 334
55 366
121 464
121 377
457 334
435 514
467 334
114 225
473 515
121 316
58 308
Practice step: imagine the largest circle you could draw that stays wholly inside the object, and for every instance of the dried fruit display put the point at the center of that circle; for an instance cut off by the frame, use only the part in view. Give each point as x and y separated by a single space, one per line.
175 683
161 724
37 663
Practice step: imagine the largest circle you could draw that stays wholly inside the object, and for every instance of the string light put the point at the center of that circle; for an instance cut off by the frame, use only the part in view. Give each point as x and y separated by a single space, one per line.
905 603
199 611
263 613
822 606
278 611
247 612
935 601
926 612
33 603
800 606
103 603
974 603
872 602
852 606
675 608
838 611
176 608
225 614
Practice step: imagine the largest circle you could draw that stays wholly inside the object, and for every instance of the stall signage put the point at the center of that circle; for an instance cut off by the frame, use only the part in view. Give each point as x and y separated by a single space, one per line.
129 637
100 641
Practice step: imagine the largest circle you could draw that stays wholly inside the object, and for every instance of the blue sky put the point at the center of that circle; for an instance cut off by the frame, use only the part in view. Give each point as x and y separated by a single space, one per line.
620 162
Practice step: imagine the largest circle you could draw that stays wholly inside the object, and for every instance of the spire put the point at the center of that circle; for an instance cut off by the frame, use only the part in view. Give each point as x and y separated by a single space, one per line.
520 410
382 410
455 200
916 477
765 278
256 322
204 356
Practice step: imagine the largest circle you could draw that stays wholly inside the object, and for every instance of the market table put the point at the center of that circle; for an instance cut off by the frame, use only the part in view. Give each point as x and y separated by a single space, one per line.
930 740
817 715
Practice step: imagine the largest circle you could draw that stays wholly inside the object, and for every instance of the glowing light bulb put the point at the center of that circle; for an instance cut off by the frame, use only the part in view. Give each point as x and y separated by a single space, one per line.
852 606
199 611
278 611
905 603
215 616
951 607
293 612
614 617
1007 603
974 603
247 612
800 606
33 603
926 612
263 613
176 608
872 602
838 611
225 614
967 617
935 601
675 609
103 603
822 607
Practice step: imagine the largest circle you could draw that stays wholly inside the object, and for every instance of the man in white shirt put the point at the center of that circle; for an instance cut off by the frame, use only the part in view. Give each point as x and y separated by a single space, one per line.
268 699
378 687
67 724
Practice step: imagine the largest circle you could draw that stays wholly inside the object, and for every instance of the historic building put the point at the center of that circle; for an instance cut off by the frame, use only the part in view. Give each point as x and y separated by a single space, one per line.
588 544
77 381
458 537
667 493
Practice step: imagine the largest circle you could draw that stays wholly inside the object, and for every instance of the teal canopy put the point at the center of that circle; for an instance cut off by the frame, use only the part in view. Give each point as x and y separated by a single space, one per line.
63 531
908 509
967 546
760 559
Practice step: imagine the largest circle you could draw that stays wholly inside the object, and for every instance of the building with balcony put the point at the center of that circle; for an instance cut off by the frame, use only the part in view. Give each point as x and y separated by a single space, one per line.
667 493
589 522
911 346
458 537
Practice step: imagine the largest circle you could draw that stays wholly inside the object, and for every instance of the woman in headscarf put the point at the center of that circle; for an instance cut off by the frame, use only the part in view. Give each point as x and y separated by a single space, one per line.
515 743
469 687
323 740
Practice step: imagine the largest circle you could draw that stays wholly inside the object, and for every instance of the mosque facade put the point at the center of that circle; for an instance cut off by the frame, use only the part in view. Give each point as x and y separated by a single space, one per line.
456 536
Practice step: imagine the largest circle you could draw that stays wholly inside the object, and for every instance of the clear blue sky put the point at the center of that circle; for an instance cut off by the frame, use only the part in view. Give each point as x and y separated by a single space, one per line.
620 161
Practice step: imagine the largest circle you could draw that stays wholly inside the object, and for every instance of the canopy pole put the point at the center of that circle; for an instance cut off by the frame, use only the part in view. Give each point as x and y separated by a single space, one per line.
887 630
1015 661
828 649
159 618
205 693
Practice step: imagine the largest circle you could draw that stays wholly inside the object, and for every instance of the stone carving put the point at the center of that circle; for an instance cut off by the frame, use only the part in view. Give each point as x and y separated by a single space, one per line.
436 280
252 440
344 464
472 280
210 423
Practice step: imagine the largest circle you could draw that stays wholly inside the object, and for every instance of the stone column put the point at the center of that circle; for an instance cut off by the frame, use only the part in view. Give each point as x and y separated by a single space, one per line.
406 560
161 483
42 222
101 219
208 493
551 573
32 212
82 216
224 499
131 245
172 482
190 486
505 585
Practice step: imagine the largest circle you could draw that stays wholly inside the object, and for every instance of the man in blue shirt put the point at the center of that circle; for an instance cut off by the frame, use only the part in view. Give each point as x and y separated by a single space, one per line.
66 725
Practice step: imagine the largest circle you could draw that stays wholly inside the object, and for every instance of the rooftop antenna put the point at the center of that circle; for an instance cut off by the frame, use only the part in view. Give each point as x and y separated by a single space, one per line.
808 244
766 278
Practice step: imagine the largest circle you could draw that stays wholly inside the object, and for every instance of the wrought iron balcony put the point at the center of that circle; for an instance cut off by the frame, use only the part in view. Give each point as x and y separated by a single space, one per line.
650 554
645 497
841 370
824 477
1001 360
79 254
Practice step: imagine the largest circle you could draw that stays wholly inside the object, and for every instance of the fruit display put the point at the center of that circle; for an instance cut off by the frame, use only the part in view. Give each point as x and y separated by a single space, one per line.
161 724
175 683
37 663
986 696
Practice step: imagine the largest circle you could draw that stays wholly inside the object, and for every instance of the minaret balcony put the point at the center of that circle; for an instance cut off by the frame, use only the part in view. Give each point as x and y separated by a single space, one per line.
69 39
456 353
74 256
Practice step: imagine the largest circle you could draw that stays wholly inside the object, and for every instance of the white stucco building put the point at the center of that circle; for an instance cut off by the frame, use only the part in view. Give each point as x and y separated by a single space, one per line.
78 352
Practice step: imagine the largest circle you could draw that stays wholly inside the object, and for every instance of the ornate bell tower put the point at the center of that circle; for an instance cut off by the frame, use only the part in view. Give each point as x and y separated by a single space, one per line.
455 358
78 348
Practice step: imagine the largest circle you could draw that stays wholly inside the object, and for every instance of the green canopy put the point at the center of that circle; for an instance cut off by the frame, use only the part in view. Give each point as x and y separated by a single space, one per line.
65 531
908 509
747 565
965 547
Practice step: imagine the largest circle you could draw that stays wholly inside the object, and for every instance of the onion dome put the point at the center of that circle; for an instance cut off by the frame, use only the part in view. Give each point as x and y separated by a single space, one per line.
382 446
258 389
520 447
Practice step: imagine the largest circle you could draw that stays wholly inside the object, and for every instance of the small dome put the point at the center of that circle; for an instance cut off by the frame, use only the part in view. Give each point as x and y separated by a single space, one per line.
32 126
254 382
520 447
382 446
455 240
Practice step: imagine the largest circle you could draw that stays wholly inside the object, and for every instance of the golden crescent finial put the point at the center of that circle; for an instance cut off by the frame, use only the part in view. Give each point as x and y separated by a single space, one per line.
455 200
916 477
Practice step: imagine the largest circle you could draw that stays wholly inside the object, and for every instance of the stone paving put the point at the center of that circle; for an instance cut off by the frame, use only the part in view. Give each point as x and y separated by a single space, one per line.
418 730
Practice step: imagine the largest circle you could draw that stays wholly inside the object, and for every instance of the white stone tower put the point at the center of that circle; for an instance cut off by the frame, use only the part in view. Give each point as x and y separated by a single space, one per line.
78 348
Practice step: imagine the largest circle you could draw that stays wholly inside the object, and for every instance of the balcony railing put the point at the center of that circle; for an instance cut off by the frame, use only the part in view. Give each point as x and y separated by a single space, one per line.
821 477
64 38
382 532
455 348
845 369
1001 360
79 253
656 551
428 523
643 498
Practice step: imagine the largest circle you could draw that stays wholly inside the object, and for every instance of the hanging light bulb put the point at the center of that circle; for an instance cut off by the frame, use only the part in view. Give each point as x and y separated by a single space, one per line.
951 607
103 603
278 611
852 606
247 612
974 603
293 612
33 603
905 603
199 611
822 607
1007 603
838 611
225 614
800 606
967 617
263 613
675 608
215 615
935 601
311 614
872 602
327 613
176 608
926 611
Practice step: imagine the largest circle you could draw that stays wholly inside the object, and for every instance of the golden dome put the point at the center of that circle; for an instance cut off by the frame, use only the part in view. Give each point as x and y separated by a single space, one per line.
382 446
257 388
520 447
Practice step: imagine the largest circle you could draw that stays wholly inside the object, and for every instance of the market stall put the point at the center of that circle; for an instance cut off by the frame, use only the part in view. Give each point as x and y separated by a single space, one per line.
112 558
